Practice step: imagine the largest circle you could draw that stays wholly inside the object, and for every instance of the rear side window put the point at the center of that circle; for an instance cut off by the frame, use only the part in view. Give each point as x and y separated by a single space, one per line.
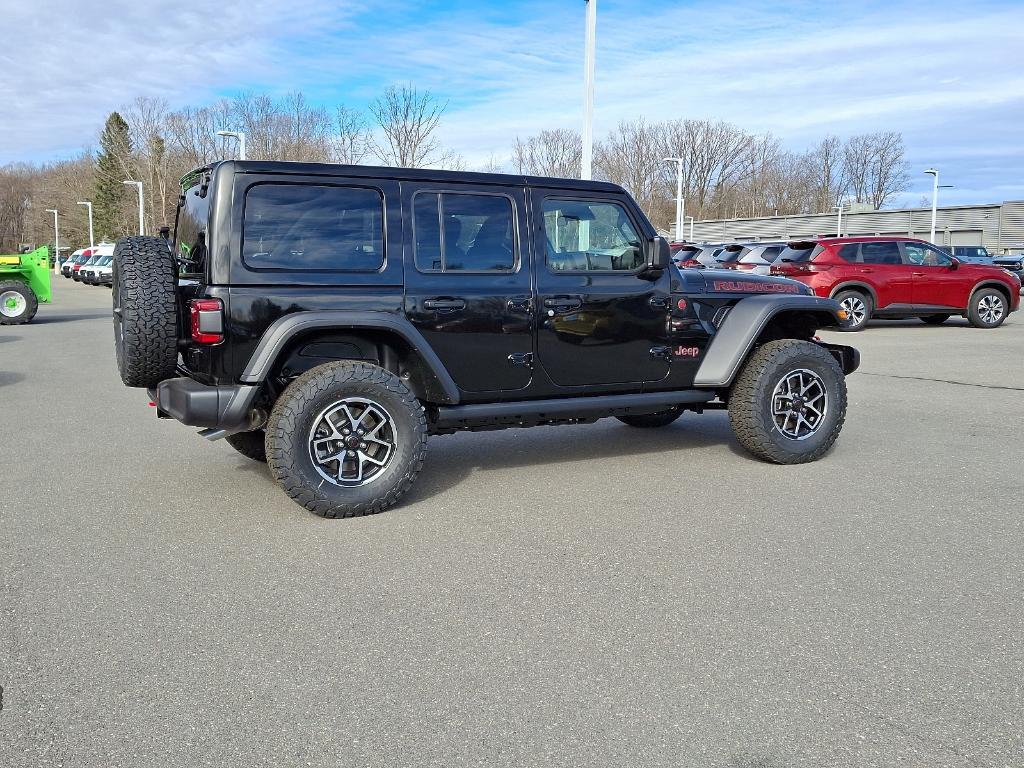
796 252
880 253
300 227
463 232
849 252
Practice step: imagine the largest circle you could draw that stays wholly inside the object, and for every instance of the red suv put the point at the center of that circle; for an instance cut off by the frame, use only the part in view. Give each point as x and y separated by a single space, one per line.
895 277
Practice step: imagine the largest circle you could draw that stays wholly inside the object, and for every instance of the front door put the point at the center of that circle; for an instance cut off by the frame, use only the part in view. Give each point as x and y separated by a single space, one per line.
936 283
599 321
468 282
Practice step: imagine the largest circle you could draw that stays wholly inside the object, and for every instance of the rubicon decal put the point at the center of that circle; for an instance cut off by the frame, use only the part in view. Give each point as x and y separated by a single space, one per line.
736 286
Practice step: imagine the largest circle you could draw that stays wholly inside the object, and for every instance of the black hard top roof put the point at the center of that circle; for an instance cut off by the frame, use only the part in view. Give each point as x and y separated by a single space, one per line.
404 174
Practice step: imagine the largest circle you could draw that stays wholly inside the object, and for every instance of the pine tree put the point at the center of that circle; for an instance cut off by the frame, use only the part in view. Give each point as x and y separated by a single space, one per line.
111 171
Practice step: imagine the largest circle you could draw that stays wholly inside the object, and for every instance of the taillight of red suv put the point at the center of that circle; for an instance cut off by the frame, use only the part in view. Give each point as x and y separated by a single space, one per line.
789 269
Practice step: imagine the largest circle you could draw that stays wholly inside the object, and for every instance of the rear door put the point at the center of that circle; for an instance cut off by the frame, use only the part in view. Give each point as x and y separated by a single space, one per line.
882 266
599 322
936 283
468 282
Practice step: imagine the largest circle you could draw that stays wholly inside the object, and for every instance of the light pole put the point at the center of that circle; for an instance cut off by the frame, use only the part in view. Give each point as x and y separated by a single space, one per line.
691 227
586 170
934 173
138 186
839 223
56 234
241 141
680 211
88 205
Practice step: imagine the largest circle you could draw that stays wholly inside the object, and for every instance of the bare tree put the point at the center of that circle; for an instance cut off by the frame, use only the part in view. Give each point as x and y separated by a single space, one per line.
830 181
874 164
408 120
631 155
556 152
352 141
714 154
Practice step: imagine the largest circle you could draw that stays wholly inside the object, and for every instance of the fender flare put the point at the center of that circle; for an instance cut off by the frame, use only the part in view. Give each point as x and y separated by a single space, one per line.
990 283
282 330
855 284
732 343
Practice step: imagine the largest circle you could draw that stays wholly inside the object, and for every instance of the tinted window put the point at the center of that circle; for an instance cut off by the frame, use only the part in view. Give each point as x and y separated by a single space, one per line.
761 255
305 227
923 255
799 252
729 255
192 219
590 237
880 253
463 233
849 251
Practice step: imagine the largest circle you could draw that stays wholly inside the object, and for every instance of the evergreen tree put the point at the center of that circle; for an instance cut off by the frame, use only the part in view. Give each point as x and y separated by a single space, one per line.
112 165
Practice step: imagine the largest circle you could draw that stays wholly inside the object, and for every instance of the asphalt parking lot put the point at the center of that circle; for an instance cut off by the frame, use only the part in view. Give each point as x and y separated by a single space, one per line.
564 596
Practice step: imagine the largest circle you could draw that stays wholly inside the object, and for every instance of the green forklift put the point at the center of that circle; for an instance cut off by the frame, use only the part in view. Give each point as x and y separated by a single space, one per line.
24 285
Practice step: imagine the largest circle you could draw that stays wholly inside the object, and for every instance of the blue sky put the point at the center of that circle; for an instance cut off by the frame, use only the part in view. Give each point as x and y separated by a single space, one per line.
945 74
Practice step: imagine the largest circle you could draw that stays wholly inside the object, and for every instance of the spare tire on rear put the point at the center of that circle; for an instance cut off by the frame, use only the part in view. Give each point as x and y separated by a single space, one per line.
145 279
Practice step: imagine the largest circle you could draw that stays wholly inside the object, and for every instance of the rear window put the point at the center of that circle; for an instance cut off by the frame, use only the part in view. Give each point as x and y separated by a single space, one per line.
463 232
796 252
731 253
761 255
192 219
685 253
300 227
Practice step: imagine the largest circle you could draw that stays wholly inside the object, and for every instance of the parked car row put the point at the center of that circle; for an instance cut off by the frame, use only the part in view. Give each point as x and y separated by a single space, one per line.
883 277
92 266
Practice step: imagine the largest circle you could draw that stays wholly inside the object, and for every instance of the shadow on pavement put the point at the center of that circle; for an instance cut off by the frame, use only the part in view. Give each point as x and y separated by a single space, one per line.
10 377
57 318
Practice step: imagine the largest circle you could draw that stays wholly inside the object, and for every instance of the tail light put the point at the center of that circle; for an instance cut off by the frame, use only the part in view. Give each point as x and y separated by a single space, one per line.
207 320
798 268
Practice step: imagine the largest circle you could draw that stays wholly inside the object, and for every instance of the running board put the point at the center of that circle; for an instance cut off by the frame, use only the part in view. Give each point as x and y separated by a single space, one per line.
528 413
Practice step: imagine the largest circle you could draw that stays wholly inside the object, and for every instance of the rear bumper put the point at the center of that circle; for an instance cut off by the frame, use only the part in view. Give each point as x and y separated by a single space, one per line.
222 410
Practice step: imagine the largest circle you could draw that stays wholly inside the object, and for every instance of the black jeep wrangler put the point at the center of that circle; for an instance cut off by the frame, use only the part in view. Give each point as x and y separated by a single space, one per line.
328 318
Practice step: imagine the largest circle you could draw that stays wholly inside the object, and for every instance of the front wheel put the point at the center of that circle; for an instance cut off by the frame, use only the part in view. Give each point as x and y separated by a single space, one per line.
788 403
346 439
988 308
18 303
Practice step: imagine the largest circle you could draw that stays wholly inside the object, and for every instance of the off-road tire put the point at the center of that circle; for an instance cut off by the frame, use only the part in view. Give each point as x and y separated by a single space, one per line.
252 445
292 420
935 319
869 308
145 300
31 302
652 420
750 401
975 313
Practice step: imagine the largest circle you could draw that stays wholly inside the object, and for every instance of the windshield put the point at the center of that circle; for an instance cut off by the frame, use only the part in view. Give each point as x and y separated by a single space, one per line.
970 252
192 220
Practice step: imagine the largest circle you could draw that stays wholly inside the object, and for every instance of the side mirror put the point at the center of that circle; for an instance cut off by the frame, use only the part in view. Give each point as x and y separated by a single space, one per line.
954 264
659 254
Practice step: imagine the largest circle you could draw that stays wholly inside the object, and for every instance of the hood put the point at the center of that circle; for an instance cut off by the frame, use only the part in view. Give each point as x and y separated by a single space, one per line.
737 283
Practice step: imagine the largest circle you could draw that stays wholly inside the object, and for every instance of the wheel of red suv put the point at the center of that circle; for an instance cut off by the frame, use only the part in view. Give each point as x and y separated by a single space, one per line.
346 439
788 403
859 307
145 302
652 420
935 319
18 303
987 308
252 445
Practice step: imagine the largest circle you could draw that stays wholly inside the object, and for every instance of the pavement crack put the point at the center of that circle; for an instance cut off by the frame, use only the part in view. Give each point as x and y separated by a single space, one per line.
942 381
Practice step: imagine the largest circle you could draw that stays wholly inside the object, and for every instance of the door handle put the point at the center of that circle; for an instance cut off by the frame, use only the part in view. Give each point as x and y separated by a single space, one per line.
867 271
658 302
444 305
519 305
917 274
563 302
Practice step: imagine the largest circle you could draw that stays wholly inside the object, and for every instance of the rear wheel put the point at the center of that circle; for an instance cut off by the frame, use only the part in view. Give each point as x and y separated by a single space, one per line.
858 306
789 402
987 309
18 303
145 299
252 445
346 439
652 420
935 319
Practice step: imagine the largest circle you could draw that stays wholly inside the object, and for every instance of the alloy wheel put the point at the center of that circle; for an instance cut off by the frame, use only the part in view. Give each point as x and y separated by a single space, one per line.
856 308
352 442
799 404
990 309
